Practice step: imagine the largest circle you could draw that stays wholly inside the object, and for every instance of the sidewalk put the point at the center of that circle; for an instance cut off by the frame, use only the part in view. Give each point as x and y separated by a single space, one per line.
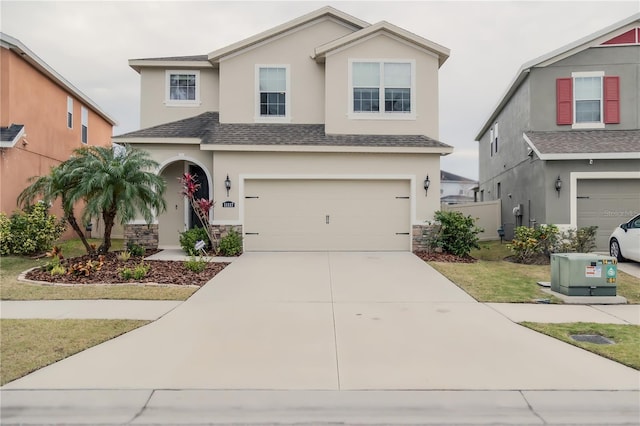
87 309
152 310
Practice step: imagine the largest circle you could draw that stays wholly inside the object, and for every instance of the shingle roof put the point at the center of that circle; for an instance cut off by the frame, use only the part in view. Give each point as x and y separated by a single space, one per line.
176 58
450 177
193 127
8 134
585 141
207 127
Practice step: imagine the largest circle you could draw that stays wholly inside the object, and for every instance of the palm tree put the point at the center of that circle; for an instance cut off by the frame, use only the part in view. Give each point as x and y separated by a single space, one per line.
117 183
57 184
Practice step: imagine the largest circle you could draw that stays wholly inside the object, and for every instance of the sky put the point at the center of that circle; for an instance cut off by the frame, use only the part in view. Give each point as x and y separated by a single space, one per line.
90 42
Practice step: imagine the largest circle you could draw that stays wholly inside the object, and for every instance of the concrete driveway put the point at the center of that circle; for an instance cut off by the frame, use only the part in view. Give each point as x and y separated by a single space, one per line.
332 321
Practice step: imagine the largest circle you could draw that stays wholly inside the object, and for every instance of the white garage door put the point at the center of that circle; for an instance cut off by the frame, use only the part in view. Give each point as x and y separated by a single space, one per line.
606 203
333 215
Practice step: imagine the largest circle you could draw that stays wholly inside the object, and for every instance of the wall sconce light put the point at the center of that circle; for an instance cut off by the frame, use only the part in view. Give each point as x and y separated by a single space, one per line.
558 185
227 184
427 182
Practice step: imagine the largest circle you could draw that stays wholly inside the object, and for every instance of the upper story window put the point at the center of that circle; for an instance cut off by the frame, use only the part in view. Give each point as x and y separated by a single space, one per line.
84 116
70 112
588 100
273 93
182 88
382 89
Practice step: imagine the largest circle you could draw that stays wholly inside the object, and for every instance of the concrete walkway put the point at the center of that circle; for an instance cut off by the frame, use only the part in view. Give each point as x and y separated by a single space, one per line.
326 338
336 321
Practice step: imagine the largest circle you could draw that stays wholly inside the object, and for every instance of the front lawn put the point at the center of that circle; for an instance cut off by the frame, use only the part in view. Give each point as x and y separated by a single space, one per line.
492 279
626 349
30 344
12 289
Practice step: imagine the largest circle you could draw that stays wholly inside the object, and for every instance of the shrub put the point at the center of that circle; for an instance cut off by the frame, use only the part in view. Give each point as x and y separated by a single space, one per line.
31 231
135 249
529 243
86 268
458 234
525 245
188 240
5 234
195 264
230 244
137 273
582 240
124 255
58 270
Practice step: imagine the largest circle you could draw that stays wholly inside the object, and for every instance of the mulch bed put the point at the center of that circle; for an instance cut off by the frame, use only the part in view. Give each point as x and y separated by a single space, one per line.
443 257
161 272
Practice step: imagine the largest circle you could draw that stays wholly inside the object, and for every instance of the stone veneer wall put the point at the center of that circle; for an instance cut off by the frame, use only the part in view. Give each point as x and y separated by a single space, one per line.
142 235
221 231
422 236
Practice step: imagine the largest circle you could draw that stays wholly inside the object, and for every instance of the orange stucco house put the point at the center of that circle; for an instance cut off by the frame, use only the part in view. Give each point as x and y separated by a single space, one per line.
43 118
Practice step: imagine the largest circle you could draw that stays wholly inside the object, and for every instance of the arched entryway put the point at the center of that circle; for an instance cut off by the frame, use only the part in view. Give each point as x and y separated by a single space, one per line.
179 215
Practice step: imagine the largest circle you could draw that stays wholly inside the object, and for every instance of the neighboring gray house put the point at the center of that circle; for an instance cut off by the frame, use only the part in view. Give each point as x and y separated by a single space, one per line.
563 144
456 189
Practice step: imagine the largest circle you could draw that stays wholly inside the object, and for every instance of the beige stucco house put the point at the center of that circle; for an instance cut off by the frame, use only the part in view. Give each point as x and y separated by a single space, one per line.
326 126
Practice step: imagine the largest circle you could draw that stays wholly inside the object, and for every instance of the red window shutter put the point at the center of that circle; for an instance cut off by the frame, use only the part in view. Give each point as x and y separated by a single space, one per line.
564 101
612 99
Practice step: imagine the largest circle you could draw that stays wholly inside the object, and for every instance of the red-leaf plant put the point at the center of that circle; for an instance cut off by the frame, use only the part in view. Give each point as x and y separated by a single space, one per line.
202 207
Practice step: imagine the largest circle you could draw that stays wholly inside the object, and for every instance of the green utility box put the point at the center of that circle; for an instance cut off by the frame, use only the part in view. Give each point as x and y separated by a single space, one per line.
584 274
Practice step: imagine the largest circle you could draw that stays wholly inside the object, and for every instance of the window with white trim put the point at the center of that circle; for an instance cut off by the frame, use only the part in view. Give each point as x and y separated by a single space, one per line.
70 112
587 95
273 92
383 88
182 88
84 117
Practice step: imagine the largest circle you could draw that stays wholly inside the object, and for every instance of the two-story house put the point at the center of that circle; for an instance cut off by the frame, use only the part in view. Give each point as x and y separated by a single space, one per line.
43 118
319 134
456 189
563 144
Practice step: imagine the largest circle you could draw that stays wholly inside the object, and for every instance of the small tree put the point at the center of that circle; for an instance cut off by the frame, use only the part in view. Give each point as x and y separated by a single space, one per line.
202 207
117 183
458 234
59 183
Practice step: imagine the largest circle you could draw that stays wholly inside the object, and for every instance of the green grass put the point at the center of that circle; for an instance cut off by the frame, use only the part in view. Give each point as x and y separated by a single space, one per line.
28 345
505 282
12 289
626 349
492 279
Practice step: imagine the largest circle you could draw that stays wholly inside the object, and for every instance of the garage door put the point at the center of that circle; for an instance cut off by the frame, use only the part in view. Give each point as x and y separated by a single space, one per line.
606 203
334 215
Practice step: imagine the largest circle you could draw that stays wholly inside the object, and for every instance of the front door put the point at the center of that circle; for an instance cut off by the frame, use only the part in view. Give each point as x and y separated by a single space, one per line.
202 192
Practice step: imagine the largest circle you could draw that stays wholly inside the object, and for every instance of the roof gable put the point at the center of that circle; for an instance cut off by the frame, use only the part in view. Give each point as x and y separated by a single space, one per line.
599 39
323 13
382 27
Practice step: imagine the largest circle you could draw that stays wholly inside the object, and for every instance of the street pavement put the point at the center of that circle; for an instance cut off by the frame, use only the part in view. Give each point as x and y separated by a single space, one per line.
371 338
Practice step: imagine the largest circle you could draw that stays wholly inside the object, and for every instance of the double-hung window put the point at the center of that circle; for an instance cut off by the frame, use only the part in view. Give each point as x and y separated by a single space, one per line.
588 100
70 112
182 88
273 92
383 88
84 133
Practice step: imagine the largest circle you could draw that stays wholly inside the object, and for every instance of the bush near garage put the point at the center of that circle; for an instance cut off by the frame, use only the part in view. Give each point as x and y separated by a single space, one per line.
535 245
458 234
230 244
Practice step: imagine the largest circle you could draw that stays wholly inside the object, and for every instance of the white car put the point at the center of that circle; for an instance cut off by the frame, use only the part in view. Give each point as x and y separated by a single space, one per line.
624 242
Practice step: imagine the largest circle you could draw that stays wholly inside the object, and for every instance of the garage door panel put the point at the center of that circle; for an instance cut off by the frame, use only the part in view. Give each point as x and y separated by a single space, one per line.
293 215
606 203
